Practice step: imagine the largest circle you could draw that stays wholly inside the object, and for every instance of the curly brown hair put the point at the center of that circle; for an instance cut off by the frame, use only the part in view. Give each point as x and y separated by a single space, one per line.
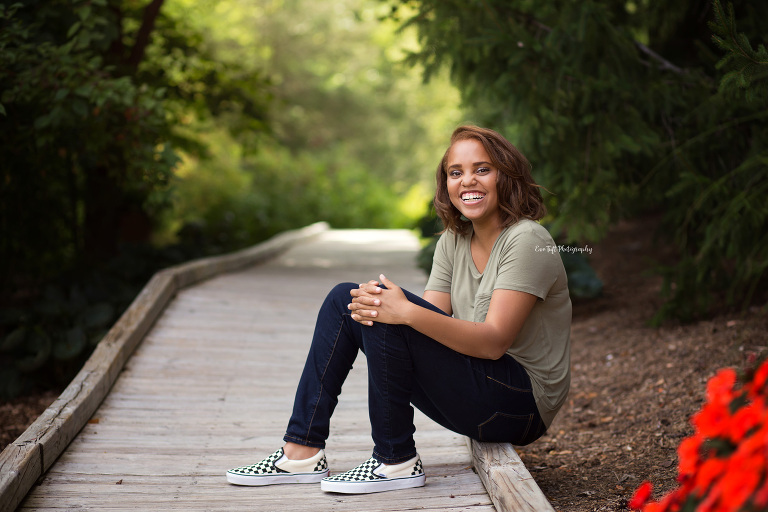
519 195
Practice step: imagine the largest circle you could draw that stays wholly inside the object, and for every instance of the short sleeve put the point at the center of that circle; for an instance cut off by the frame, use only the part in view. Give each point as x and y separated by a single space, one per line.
442 264
529 262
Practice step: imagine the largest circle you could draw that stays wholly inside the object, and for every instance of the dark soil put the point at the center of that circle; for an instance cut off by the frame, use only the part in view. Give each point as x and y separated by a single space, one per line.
633 387
18 414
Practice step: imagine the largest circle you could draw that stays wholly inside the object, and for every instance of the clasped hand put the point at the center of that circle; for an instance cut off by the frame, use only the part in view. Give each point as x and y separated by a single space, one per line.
373 303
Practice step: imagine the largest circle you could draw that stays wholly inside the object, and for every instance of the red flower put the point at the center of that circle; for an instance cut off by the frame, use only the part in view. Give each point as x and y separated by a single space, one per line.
741 481
641 496
761 496
720 387
746 419
712 420
708 473
757 386
688 453
723 466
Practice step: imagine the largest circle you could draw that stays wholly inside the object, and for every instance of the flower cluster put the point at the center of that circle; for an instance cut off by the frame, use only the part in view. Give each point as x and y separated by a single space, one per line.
724 464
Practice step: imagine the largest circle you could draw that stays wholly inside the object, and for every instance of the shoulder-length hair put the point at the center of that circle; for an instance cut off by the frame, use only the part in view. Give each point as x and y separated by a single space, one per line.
519 195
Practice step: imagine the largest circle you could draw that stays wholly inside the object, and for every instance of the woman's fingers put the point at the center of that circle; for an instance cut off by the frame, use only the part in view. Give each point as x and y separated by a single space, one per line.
389 284
361 320
360 313
366 300
364 294
367 307
369 287
363 316
361 310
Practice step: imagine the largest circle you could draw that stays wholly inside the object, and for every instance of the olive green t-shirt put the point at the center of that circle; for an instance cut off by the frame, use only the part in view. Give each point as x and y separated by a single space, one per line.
524 258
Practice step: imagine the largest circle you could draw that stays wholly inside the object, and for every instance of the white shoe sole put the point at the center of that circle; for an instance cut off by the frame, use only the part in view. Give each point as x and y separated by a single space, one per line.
367 487
287 478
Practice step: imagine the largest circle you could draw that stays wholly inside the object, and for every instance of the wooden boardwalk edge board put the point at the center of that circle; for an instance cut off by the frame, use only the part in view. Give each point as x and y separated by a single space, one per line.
25 460
506 479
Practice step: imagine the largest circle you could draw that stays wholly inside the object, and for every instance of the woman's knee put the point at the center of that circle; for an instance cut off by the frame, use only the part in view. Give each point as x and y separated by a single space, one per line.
340 293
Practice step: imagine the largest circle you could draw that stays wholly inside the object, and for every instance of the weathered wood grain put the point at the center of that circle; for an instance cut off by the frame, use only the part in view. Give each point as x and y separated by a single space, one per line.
203 380
507 480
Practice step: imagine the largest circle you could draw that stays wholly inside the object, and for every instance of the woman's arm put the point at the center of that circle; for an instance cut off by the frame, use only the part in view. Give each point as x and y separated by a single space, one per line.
488 340
440 299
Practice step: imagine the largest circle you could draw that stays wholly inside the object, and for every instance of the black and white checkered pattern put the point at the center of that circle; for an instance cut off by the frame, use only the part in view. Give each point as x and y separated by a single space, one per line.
277 469
266 466
321 465
365 472
374 476
362 473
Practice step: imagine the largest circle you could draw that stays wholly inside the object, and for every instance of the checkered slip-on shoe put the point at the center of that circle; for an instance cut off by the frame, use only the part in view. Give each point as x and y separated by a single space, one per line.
279 469
374 476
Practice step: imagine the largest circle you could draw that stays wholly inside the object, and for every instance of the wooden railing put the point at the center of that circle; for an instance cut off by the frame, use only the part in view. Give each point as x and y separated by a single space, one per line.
508 482
25 460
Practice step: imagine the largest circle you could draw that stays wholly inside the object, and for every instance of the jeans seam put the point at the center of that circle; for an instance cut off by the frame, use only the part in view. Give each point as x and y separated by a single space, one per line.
513 388
385 372
303 442
389 460
527 427
322 377
498 414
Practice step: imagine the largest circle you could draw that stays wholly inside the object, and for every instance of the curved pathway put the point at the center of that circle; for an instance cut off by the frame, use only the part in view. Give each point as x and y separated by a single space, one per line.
211 387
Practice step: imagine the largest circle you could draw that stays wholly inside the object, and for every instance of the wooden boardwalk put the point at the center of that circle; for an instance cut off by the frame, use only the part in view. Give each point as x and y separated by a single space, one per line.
211 387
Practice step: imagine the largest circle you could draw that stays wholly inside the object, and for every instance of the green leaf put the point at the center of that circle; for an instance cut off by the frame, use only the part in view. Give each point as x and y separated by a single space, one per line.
71 345
73 29
84 90
61 94
84 12
42 121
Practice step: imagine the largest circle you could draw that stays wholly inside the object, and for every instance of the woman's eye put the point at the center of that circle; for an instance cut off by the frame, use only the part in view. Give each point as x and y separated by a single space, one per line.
483 170
454 174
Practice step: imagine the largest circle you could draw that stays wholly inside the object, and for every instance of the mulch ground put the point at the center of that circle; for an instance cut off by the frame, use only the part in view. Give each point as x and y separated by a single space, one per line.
18 414
633 391
634 387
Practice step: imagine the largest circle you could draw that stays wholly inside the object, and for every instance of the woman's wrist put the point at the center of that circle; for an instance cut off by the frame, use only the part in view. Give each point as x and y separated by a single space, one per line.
411 313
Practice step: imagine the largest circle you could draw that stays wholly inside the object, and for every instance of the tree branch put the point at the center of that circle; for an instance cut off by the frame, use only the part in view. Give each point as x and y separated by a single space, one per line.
142 36
665 64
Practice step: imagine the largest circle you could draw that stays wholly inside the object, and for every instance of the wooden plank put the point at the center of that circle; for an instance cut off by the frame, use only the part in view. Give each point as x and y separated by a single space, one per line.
211 387
507 480
27 458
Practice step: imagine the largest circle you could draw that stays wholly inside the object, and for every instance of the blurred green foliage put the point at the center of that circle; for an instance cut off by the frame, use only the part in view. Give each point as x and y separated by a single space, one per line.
200 126
353 134
626 108
47 340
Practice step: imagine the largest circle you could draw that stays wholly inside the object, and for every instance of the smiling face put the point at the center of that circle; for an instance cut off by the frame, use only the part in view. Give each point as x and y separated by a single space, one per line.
471 182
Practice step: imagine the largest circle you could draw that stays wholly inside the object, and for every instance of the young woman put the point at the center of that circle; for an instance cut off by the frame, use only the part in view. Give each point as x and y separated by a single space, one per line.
485 352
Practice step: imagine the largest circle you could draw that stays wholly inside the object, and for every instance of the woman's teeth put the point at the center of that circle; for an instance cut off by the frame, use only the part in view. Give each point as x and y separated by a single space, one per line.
471 197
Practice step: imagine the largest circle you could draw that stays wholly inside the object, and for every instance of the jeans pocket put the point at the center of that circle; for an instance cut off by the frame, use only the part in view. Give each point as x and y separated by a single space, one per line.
506 428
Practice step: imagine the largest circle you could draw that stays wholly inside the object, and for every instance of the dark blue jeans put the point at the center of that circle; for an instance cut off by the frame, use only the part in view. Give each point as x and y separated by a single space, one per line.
483 399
